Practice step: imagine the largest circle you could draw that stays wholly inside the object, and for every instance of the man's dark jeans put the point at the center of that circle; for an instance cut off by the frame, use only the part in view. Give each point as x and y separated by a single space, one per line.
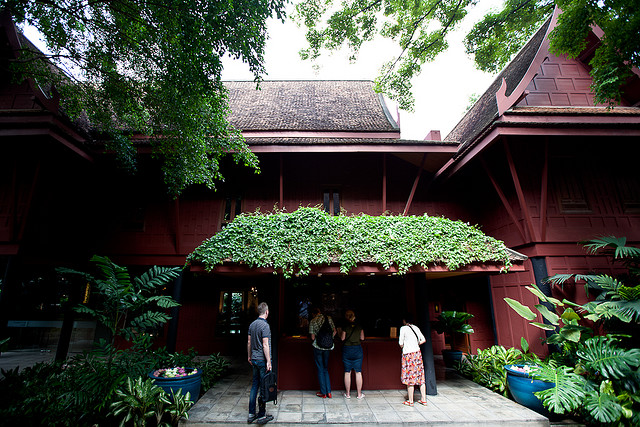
259 369
321 358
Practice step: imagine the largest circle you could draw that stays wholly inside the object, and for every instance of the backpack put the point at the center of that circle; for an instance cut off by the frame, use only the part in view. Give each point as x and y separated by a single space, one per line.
269 387
324 337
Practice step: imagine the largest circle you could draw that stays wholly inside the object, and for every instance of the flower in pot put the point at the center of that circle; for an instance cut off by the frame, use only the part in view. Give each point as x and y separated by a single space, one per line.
173 379
454 325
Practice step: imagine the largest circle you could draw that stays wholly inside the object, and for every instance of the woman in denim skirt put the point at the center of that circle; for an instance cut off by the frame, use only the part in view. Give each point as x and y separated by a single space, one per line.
352 337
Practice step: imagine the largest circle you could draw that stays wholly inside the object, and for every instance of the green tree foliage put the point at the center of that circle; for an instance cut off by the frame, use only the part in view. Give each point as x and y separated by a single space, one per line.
496 39
151 68
420 27
501 34
293 242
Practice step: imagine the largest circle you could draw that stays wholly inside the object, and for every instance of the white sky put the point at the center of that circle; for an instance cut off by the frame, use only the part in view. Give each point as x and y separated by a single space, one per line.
441 91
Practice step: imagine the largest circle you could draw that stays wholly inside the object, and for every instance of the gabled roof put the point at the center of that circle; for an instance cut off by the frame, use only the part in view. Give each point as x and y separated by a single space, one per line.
485 110
539 93
304 105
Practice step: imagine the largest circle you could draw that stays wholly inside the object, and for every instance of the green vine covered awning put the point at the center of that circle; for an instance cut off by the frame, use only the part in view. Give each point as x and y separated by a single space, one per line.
295 242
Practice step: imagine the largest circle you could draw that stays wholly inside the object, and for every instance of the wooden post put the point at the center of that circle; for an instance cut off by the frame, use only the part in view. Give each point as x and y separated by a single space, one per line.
423 320
384 183
544 192
281 187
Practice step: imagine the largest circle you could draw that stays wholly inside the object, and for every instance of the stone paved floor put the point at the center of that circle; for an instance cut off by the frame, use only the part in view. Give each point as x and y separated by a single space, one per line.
459 402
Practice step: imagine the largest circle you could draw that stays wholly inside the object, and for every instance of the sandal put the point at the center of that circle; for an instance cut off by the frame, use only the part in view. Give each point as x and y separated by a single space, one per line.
347 396
422 402
406 402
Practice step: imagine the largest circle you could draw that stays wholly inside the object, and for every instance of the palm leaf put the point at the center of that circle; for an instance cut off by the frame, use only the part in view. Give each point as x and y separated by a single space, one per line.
111 271
543 326
626 311
149 320
537 292
156 277
163 301
600 354
603 407
86 276
568 392
521 309
552 317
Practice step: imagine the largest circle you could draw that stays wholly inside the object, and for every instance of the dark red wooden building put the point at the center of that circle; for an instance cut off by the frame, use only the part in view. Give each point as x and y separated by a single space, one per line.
533 162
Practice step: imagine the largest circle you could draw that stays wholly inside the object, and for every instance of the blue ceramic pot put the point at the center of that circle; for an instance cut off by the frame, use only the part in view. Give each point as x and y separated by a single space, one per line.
522 387
190 383
450 357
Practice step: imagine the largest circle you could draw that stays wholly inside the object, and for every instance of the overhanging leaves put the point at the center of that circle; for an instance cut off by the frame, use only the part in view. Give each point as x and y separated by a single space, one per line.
293 242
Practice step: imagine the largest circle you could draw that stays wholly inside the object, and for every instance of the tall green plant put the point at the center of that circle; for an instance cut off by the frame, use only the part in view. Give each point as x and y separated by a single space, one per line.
127 307
594 375
615 297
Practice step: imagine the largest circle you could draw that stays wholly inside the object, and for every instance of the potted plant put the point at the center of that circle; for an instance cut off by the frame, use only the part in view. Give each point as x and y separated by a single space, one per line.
172 379
523 387
454 325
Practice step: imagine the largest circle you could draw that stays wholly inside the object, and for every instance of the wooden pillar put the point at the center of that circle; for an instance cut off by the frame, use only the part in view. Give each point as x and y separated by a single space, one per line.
384 183
543 192
281 185
423 320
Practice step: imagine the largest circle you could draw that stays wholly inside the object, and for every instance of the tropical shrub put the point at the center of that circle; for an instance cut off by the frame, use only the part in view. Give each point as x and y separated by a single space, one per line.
84 389
594 376
487 366
81 391
127 307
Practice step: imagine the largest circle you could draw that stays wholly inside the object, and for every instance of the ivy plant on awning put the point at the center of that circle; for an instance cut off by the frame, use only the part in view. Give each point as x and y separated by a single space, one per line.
294 242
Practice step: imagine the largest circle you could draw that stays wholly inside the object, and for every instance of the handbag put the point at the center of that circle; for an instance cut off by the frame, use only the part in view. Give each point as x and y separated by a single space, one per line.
269 387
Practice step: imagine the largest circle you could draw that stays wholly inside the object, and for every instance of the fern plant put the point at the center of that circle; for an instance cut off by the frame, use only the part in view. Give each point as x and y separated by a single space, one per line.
615 298
127 307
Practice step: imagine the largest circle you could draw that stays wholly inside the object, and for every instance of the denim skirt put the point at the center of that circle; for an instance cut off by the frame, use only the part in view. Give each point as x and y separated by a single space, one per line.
352 358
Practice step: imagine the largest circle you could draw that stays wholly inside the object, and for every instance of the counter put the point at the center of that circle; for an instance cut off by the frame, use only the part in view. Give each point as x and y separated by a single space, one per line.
380 366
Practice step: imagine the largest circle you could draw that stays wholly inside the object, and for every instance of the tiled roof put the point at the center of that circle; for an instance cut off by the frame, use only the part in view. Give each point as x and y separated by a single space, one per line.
309 105
342 141
485 110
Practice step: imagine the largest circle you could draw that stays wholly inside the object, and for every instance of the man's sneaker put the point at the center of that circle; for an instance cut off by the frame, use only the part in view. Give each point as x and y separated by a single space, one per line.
252 418
264 420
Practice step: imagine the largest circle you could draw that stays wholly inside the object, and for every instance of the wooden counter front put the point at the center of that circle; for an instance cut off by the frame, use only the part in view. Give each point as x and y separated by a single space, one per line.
380 366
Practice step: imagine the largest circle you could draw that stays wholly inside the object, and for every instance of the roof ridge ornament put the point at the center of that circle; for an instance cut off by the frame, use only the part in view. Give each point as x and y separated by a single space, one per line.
505 102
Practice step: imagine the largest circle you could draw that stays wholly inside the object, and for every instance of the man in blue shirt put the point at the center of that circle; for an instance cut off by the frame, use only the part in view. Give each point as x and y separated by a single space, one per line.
259 354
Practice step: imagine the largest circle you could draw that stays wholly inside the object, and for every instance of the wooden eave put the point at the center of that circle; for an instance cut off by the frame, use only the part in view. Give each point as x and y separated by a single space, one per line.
19 123
550 121
366 269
